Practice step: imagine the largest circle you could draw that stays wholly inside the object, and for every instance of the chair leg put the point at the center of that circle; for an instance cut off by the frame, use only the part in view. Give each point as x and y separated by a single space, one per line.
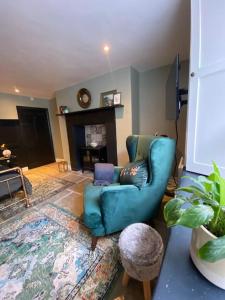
147 290
125 279
94 241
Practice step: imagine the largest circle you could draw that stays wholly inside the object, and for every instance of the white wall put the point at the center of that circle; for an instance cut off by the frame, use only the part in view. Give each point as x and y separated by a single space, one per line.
8 110
119 80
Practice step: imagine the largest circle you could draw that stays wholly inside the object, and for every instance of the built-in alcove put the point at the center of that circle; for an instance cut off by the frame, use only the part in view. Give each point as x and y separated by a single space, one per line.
76 122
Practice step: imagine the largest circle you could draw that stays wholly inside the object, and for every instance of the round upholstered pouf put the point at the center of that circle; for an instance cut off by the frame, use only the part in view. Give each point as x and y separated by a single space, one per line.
141 251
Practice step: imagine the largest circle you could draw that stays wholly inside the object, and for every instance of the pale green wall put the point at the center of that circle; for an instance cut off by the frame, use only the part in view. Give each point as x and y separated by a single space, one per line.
135 101
152 103
9 102
143 97
119 80
8 110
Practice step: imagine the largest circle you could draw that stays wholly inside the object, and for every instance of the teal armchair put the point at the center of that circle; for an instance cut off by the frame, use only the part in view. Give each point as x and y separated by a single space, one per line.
111 208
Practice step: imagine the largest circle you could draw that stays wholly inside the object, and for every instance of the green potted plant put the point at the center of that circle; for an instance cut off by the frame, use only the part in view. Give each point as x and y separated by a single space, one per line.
202 208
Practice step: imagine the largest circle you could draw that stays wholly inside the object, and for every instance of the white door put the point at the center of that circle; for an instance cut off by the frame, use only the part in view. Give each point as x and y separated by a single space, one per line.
206 104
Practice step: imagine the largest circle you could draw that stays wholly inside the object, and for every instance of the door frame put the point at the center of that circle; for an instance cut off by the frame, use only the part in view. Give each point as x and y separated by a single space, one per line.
20 109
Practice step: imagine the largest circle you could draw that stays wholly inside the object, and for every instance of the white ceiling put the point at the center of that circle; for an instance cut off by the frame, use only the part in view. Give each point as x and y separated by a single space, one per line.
51 44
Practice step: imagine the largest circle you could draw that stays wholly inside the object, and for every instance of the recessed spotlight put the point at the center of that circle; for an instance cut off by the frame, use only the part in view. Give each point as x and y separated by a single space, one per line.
106 48
16 90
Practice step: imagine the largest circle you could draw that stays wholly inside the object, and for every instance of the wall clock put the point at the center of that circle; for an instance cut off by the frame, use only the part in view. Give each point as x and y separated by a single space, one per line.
84 98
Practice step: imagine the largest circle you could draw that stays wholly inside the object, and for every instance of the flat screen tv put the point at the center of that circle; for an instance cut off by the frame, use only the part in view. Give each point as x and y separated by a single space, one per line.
172 91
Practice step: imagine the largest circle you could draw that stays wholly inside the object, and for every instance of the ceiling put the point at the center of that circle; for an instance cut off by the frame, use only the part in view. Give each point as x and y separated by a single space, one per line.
51 44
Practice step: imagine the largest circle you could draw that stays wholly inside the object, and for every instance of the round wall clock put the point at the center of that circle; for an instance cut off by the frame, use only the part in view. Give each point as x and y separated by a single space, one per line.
84 98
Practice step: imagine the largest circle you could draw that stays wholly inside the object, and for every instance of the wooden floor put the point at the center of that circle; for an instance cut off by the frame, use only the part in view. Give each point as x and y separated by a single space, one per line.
72 199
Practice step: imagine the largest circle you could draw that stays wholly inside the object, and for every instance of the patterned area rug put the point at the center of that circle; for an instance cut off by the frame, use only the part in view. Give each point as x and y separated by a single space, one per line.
45 254
44 187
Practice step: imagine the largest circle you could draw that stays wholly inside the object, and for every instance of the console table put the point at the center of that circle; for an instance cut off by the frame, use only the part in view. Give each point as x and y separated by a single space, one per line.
179 279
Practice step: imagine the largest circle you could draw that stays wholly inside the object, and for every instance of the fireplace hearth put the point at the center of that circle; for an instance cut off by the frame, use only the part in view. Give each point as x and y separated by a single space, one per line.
76 122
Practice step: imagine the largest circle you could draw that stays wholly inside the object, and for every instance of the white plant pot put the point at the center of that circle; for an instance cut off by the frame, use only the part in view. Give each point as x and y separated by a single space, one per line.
214 272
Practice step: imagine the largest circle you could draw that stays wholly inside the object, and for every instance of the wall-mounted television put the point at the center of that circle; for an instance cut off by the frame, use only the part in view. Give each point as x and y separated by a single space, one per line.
172 91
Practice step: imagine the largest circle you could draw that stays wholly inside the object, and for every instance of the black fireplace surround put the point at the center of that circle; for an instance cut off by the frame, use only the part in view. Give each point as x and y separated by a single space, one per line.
76 122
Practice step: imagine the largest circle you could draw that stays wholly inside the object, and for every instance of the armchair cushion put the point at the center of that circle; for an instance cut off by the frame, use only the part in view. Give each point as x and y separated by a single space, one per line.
103 174
135 173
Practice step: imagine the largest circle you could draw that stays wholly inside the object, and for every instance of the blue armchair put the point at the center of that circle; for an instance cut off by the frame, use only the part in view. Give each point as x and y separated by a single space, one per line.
110 209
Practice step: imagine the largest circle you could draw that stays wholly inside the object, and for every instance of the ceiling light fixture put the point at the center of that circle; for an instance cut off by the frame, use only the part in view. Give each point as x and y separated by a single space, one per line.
106 48
16 90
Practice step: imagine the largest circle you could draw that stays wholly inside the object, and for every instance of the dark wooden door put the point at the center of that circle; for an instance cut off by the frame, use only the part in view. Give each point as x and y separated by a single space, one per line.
36 137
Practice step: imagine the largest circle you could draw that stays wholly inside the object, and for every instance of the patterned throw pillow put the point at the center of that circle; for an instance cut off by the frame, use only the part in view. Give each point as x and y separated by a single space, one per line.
135 173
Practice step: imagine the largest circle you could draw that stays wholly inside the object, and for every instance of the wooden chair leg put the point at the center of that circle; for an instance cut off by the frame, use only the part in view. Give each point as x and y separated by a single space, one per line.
125 279
94 242
147 290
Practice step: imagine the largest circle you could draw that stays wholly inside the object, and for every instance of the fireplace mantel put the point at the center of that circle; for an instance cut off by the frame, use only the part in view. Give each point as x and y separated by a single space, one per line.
91 110
75 124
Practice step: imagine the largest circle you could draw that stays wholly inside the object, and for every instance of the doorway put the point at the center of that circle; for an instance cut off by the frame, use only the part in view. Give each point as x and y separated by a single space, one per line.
36 137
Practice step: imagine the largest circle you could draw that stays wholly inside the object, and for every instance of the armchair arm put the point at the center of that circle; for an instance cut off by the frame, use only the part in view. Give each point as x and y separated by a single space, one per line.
116 175
11 170
118 206
126 204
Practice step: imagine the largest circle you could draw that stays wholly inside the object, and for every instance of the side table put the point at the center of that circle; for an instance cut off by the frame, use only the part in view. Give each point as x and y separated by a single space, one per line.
8 161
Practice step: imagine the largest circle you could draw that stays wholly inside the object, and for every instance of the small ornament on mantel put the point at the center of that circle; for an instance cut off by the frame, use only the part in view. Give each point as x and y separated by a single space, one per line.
63 109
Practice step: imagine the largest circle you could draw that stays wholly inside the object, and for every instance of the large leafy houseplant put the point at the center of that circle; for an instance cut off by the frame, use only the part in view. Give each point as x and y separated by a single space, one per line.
203 203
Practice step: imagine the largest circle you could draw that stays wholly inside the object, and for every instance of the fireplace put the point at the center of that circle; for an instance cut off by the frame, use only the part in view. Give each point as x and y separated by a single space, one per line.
95 133
85 126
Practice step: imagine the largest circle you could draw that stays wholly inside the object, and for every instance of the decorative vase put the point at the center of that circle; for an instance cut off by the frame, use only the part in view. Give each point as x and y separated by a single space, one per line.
6 153
214 272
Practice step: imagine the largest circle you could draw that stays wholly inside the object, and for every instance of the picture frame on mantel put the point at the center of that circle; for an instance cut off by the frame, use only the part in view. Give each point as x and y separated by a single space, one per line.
63 109
107 98
117 99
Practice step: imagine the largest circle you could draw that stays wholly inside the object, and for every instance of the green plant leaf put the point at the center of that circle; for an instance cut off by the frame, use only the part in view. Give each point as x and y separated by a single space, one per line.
194 200
195 180
192 189
196 216
216 169
206 183
173 211
210 202
222 191
217 224
213 250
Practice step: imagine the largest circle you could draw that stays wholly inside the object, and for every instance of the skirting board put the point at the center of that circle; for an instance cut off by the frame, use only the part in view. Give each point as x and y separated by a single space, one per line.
25 169
59 159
